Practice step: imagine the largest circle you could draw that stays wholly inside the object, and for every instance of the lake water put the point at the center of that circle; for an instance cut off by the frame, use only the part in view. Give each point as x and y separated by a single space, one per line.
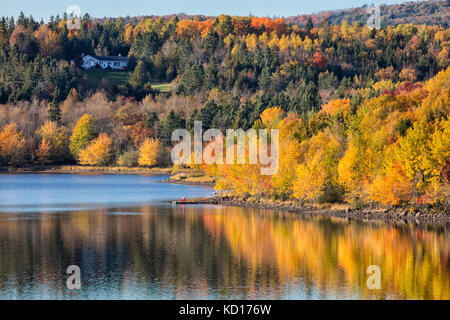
131 243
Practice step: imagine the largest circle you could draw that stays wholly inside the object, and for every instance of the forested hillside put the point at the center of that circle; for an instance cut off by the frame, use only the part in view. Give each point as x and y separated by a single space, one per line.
429 12
360 99
415 12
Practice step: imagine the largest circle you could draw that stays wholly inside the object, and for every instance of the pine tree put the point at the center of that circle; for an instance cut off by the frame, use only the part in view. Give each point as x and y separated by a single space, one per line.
140 76
172 123
309 25
54 112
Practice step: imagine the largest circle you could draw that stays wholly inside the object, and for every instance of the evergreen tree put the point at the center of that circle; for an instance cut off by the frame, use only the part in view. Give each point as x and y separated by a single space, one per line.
172 123
140 76
309 25
54 112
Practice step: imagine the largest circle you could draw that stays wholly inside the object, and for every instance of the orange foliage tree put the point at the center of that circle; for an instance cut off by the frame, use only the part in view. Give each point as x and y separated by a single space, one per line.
47 40
12 145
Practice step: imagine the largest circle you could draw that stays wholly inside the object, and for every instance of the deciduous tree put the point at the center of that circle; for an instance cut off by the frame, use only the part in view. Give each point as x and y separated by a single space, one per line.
148 152
98 152
12 145
84 132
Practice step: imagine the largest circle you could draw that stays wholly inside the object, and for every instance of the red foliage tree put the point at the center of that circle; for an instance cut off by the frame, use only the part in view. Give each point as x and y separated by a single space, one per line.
319 60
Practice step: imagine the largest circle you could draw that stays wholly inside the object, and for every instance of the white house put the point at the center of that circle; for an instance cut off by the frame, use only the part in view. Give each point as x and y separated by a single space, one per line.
91 62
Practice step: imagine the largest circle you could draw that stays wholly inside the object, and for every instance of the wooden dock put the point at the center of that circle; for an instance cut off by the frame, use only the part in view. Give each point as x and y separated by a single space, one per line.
206 201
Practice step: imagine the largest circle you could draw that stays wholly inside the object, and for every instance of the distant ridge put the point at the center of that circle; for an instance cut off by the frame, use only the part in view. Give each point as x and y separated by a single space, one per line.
435 12
417 12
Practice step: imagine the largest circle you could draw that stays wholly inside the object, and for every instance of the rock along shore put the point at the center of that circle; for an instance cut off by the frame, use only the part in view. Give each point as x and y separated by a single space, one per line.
420 215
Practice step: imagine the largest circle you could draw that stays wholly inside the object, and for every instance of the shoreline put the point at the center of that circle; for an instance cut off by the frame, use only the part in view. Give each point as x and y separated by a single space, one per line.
382 214
189 175
386 214
85 170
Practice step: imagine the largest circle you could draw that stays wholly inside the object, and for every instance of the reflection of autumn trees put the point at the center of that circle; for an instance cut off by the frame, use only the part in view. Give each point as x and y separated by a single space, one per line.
162 249
335 254
222 252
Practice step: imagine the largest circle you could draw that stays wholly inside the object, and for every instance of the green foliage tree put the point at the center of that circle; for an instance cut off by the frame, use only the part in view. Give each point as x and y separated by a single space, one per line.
85 131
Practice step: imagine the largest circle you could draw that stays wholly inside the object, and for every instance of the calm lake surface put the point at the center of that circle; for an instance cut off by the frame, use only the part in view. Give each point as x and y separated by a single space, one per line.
131 243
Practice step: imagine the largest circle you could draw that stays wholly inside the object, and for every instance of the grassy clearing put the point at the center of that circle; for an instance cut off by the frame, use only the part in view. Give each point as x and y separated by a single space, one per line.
162 87
116 78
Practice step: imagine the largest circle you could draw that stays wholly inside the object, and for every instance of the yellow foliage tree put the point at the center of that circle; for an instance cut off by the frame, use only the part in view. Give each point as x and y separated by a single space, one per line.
317 168
292 130
148 152
264 39
274 40
411 151
350 173
391 185
98 153
57 138
284 43
251 42
408 74
270 117
439 152
335 106
128 34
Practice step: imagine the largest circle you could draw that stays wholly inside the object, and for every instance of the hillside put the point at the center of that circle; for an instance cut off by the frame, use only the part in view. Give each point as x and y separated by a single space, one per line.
417 12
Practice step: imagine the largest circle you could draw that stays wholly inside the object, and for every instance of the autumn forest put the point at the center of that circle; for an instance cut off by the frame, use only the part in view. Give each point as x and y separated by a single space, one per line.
363 113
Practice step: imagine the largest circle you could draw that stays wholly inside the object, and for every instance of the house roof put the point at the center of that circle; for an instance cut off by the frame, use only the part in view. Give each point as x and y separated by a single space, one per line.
110 58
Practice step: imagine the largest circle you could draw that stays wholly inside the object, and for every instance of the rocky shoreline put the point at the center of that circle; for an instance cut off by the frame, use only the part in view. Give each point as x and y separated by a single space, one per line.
386 214
189 183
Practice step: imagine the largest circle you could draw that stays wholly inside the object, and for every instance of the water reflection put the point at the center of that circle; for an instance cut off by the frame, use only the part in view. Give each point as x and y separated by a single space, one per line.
165 252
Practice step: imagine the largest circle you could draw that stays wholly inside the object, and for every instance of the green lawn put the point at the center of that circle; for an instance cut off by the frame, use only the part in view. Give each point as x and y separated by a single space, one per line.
115 77
162 87
95 77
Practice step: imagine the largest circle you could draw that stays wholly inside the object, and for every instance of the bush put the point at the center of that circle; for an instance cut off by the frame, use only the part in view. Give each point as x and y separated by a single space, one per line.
129 159
332 194
164 157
